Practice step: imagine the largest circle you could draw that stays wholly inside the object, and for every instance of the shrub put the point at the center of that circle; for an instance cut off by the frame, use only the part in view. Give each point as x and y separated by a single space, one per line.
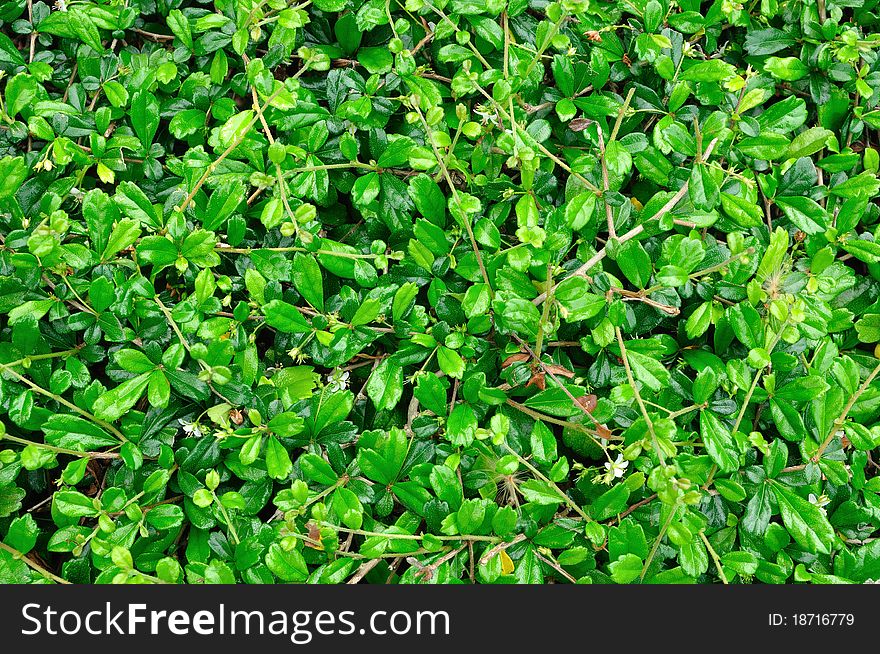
466 291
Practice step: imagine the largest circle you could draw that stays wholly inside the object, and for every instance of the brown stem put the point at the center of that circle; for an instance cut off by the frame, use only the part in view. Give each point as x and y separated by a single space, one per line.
500 547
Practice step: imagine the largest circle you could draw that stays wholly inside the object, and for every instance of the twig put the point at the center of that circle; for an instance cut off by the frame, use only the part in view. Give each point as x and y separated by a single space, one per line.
838 424
427 571
32 564
500 547
635 506
565 498
153 36
362 571
555 566
235 143
70 405
641 403
635 231
715 558
553 376
537 415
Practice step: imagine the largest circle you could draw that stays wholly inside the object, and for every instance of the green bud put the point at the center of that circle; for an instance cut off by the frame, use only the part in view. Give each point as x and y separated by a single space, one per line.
277 152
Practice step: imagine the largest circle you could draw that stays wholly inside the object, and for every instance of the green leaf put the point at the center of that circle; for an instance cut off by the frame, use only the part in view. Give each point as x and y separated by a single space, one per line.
235 128
462 425
539 492
768 146
431 393
635 263
135 204
702 189
864 250
22 533
113 404
610 503
649 371
713 70
179 26
385 385
317 469
308 281
808 142
576 300
223 203
366 313
288 565
145 116
804 521
774 255
166 516
743 212
476 300
73 432
803 389
158 251
868 328
789 69
10 500
450 362
187 122
517 315
428 198
13 172
719 442
278 463
808 215
285 317
626 569
124 234
74 504
746 324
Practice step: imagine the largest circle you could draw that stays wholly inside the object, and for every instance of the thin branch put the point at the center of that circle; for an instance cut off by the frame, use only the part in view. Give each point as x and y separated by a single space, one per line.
838 424
32 564
500 547
642 407
635 231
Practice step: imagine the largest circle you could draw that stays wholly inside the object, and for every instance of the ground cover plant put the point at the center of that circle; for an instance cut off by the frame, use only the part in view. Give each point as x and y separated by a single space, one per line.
439 291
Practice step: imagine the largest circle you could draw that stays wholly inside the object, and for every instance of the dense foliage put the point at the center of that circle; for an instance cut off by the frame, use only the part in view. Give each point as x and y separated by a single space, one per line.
439 291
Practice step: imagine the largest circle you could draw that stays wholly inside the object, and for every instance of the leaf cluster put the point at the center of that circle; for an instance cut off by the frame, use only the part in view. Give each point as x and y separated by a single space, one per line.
439 291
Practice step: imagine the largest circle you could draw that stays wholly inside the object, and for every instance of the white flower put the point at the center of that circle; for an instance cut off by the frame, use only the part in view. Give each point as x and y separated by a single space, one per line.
191 428
616 468
61 5
338 380
486 114
820 501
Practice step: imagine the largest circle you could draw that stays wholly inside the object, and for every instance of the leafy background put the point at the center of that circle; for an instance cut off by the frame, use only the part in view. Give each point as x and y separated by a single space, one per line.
439 291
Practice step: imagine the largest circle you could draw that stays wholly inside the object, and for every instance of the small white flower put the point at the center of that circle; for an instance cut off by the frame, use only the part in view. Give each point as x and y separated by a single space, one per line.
191 428
487 115
338 380
61 5
820 501
616 468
